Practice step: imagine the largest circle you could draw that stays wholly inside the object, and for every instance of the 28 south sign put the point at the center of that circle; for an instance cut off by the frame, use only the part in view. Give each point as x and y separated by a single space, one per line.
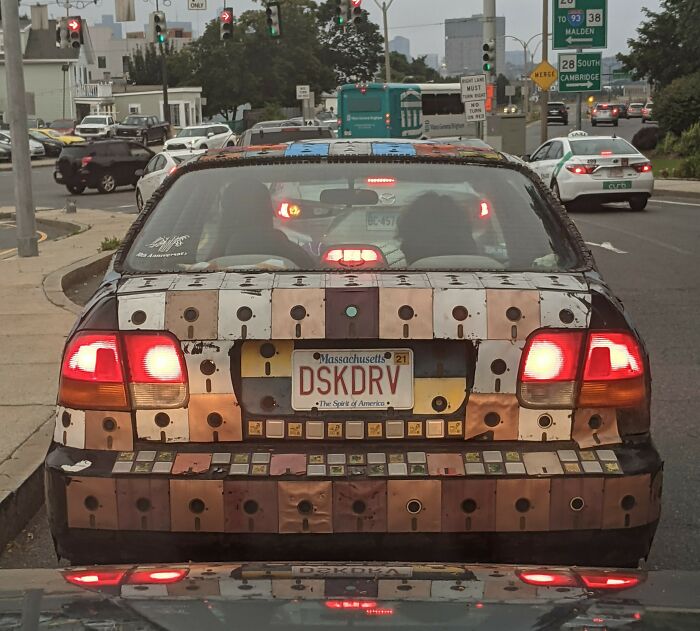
580 24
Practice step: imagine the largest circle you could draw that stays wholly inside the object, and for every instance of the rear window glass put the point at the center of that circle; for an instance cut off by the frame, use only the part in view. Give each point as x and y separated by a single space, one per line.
597 146
364 104
357 216
288 134
94 120
76 151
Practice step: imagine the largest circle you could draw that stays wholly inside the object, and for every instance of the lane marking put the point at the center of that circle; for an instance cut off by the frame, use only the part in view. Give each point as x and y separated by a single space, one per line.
606 245
663 201
661 244
42 237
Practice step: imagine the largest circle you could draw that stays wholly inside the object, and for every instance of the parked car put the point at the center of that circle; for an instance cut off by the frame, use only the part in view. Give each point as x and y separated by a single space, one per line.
211 136
274 135
605 113
66 139
36 149
52 146
635 110
648 113
601 169
33 121
96 126
63 126
147 129
102 164
623 110
150 178
278 123
5 152
557 112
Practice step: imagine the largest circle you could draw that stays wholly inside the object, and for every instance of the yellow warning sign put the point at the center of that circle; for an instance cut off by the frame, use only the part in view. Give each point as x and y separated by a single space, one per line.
544 75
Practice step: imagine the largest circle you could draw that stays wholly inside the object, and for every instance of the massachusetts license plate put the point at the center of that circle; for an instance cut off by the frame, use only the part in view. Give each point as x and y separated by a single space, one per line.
616 186
353 380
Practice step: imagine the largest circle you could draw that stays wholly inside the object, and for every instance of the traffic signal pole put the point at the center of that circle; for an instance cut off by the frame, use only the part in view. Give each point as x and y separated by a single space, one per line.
164 77
544 94
27 241
489 35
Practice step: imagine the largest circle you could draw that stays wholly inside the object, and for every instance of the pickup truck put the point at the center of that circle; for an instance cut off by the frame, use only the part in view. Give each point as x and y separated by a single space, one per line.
146 129
96 126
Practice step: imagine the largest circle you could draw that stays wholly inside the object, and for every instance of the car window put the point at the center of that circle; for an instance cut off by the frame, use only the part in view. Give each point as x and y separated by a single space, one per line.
556 151
137 151
151 166
382 215
223 129
541 153
601 146
112 149
288 134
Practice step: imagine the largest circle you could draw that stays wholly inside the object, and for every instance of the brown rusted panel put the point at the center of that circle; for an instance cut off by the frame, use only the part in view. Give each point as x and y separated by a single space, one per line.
304 507
250 506
298 313
197 505
91 503
359 506
192 315
189 463
492 417
468 505
414 506
143 504
352 313
214 418
522 505
595 426
445 464
626 501
109 430
655 496
576 503
512 313
405 313
288 464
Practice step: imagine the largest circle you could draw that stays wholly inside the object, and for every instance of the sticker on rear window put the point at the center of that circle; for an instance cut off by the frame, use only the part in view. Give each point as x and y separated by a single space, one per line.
165 247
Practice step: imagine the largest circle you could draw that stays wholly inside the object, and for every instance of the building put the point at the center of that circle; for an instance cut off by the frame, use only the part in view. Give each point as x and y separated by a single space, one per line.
432 60
464 40
401 45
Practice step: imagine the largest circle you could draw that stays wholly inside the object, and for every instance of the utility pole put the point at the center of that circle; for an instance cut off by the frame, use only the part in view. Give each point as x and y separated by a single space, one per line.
544 94
27 241
579 97
384 6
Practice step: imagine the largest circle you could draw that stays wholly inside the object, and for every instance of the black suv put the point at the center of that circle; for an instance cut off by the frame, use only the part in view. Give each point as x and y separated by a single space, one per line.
102 164
557 111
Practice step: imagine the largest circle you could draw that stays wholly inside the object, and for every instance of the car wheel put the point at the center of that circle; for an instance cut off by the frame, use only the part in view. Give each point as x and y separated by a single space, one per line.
638 203
75 189
106 183
139 200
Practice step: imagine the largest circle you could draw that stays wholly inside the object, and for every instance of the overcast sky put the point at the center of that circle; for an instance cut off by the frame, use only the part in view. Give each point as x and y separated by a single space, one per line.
419 20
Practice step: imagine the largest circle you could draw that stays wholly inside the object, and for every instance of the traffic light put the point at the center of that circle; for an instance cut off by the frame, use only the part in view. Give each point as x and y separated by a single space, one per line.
74 26
226 23
356 13
159 28
342 10
274 19
489 57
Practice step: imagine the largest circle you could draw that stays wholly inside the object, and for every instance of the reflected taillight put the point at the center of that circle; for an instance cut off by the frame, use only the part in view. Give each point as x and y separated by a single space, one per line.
484 210
381 181
581 169
94 578
548 578
609 580
287 210
349 605
353 256
159 576
85 161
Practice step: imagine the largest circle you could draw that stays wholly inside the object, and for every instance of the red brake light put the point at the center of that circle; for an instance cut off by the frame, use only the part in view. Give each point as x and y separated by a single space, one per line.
94 578
85 161
548 578
160 576
642 167
609 580
351 604
353 256
381 181
172 170
287 210
379 612
484 210
615 110
551 356
606 153
581 169
612 356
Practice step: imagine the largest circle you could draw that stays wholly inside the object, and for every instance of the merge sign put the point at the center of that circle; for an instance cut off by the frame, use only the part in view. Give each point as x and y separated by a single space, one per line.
544 75
473 88
579 72
579 24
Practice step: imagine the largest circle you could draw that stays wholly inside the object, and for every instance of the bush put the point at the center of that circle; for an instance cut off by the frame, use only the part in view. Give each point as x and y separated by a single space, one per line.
690 167
689 142
646 138
667 146
109 243
677 106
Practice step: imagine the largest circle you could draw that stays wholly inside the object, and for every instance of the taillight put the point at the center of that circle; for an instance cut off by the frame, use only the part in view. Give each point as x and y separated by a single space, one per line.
381 181
156 576
581 169
615 110
642 167
353 256
287 210
606 153
484 209
97 366
551 372
94 578
351 604
85 161
548 578
608 580
112 577
172 170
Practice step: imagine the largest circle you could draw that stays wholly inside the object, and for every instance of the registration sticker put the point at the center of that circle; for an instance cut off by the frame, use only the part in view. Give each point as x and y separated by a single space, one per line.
363 379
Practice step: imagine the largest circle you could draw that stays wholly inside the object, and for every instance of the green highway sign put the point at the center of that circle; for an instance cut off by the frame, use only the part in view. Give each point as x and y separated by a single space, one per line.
579 24
579 72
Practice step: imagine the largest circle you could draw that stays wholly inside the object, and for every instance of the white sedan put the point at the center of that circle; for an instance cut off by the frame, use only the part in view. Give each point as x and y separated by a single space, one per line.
36 149
158 168
212 136
599 169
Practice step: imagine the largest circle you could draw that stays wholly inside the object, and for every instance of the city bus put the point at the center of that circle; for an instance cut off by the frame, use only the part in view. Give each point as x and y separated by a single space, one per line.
402 110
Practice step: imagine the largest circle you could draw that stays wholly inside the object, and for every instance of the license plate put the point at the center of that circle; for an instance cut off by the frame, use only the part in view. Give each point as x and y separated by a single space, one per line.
381 221
616 172
616 186
353 380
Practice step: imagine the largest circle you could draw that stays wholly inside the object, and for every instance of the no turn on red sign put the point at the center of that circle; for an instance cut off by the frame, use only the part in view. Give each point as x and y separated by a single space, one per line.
475 111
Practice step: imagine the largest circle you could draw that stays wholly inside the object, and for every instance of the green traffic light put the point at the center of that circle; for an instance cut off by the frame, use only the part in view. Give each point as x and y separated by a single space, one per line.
161 39
487 67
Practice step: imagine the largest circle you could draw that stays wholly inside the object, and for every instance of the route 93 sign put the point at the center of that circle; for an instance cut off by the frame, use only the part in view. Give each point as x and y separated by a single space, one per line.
579 24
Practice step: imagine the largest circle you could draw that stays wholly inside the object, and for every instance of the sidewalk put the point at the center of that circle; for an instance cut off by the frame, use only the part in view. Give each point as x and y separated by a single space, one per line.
44 162
682 188
32 337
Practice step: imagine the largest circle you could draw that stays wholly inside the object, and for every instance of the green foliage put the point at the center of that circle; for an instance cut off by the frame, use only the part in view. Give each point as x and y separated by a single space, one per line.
677 106
416 71
667 45
689 142
690 167
109 243
271 112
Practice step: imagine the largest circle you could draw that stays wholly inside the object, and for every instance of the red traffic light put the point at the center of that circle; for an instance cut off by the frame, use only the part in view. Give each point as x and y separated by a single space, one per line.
355 3
226 17
73 25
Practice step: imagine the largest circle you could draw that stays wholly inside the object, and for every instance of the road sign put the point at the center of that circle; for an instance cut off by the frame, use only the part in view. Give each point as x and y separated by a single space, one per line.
475 111
579 72
579 24
473 88
197 5
544 75
303 92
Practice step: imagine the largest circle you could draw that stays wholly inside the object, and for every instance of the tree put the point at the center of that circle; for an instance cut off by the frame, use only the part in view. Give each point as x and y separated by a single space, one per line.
416 71
667 44
354 53
501 83
145 66
677 106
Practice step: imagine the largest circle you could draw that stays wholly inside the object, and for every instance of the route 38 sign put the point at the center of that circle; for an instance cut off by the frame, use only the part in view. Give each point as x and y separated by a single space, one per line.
579 72
579 24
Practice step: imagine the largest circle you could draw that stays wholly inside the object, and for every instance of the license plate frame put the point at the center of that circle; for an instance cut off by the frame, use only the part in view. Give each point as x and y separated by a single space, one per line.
617 185
363 385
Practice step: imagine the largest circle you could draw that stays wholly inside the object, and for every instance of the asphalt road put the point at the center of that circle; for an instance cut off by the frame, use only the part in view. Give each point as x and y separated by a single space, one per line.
45 231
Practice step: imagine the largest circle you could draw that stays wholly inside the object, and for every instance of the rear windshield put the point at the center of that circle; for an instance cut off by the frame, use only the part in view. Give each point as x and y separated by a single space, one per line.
598 146
192 133
94 120
76 151
364 104
288 134
603 106
420 216
135 120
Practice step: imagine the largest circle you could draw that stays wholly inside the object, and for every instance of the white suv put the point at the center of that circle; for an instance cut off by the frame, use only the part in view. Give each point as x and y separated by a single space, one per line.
212 136
96 126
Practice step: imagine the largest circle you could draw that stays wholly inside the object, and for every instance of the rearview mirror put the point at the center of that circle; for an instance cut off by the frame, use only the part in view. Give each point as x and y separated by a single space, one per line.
349 197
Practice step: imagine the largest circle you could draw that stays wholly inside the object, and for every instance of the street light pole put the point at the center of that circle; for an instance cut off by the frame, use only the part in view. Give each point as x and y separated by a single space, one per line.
384 6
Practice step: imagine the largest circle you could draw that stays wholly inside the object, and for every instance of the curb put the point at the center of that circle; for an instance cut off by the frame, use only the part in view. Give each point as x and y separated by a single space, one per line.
667 192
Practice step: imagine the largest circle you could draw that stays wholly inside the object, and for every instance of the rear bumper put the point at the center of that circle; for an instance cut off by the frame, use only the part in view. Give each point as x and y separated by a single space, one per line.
97 515
587 188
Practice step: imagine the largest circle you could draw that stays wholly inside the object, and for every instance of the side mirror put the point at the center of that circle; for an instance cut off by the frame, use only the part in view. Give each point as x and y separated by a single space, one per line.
138 173
527 158
210 134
